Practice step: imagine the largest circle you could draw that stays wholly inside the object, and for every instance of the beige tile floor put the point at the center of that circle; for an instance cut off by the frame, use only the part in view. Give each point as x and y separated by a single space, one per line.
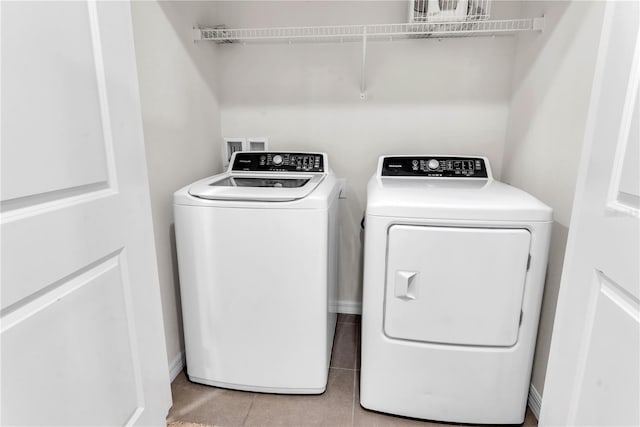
338 406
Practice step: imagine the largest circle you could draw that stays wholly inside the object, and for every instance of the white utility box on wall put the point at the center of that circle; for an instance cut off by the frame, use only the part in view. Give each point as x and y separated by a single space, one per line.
231 145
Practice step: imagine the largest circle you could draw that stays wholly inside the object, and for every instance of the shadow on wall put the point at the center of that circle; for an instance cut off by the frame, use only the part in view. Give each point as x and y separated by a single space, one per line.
538 59
350 263
554 12
406 72
183 16
176 281
559 235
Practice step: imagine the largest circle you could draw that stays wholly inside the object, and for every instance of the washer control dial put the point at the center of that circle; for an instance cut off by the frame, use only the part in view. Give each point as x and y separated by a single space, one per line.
277 160
433 164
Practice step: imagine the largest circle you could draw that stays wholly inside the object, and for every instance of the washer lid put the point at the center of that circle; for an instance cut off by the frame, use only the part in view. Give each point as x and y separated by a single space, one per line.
270 187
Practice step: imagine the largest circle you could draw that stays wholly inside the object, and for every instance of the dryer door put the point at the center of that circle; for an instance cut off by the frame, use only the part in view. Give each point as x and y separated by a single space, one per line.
455 285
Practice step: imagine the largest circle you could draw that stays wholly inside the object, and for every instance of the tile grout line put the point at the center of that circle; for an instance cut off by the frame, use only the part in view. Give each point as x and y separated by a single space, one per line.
353 400
355 379
246 417
342 369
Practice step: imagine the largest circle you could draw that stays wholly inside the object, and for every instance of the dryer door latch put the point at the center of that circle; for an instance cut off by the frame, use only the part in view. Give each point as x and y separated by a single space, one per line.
406 285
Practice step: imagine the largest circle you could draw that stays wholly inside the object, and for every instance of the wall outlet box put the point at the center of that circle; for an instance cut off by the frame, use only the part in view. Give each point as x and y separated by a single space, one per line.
258 144
231 145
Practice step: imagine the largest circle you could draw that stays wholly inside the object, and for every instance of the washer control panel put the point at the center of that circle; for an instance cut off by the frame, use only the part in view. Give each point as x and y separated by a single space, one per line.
434 167
278 162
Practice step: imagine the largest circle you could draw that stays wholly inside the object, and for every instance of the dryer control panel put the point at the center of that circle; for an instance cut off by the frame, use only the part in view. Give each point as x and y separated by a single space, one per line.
278 162
434 167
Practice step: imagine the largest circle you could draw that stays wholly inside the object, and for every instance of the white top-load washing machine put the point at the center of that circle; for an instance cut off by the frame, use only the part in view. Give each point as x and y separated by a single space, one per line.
257 255
453 278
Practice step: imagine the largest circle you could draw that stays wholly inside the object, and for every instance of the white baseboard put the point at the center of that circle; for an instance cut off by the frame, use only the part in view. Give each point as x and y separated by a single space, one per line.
535 401
176 366
346 307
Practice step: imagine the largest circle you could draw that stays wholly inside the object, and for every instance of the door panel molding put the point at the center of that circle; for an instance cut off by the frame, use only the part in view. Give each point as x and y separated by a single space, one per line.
36 204
47 295
624 194
68 194
102 94
610 305
102 291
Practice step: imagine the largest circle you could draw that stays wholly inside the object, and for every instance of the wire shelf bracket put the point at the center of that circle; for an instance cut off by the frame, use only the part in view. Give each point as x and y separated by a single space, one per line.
364 33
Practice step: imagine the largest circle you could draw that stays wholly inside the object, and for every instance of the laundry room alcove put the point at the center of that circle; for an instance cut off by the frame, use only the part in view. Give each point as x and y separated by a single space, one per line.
502 87
361 79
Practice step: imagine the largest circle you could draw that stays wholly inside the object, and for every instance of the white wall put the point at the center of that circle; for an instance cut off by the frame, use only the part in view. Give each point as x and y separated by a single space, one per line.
181 127
423 96
547 117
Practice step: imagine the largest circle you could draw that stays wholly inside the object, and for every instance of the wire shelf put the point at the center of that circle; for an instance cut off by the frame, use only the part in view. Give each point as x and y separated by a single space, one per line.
427 29
357 32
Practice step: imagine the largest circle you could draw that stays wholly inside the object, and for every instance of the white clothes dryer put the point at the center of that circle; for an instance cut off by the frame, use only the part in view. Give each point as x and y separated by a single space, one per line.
257 255
454 272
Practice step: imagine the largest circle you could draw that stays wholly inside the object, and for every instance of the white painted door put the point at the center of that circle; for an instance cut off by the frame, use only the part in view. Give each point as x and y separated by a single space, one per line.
81 328
593 376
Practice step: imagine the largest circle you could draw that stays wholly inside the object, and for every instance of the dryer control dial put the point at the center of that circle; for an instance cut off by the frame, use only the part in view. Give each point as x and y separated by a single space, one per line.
277 160
433 164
